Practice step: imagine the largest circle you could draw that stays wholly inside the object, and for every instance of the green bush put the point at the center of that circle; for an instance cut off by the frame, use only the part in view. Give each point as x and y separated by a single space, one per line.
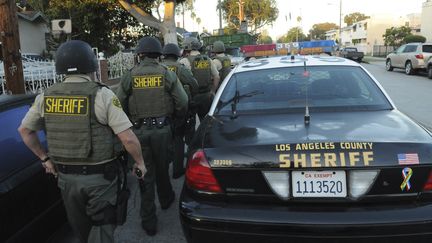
415 38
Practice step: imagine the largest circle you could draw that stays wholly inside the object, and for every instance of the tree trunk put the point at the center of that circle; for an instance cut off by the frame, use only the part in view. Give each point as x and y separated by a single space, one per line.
169 31
166 27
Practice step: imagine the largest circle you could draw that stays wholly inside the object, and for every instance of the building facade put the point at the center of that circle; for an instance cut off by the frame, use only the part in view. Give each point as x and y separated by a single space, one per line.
33 28
426 20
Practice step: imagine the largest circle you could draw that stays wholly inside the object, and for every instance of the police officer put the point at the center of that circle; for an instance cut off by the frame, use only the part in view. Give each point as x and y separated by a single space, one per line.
151 94
205 73
81 117
185 127
221 61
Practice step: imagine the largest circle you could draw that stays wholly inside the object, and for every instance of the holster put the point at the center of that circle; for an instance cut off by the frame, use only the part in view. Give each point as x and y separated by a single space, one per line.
116 214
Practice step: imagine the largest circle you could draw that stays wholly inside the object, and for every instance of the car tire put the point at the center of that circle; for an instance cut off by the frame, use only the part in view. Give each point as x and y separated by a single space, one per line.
409 68
389 67
429 74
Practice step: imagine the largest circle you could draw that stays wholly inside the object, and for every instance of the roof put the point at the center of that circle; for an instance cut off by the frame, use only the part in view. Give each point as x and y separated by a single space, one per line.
32 16
285 61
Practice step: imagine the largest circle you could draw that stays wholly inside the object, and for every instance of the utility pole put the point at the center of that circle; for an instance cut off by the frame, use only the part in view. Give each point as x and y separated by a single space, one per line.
9 37
221 31
340 23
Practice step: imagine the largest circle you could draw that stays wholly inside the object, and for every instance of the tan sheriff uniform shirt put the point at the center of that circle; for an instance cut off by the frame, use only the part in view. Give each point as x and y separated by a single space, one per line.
107 109
185 61
217 62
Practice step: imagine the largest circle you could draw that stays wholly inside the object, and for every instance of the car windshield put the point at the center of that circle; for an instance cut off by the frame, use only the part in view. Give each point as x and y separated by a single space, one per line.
290 89
351 49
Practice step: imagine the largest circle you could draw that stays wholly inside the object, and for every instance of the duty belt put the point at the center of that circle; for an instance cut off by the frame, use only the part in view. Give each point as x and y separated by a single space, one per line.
158 122
85 169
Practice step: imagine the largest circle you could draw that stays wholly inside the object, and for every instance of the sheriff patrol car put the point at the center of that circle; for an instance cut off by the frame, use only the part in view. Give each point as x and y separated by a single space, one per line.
307 148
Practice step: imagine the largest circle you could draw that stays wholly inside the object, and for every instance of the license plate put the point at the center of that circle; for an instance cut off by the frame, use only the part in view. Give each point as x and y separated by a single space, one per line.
319 184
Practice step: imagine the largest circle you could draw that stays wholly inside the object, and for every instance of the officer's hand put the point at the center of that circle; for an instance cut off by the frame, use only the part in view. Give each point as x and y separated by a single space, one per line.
49 168
139 170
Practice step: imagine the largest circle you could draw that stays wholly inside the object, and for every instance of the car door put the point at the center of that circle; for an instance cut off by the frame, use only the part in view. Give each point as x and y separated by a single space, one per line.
397 59
408 54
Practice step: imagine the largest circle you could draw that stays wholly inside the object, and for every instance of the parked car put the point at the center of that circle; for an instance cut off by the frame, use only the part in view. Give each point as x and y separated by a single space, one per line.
351 53
429 68
411 57
307 149
31 208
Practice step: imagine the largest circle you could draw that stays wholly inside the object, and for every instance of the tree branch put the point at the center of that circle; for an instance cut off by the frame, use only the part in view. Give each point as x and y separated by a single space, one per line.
141 16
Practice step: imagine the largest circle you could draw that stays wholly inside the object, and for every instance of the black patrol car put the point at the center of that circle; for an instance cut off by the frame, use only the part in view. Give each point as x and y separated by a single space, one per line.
31 207
307 149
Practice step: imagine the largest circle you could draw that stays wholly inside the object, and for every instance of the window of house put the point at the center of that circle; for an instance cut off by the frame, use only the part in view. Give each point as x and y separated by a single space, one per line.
365 26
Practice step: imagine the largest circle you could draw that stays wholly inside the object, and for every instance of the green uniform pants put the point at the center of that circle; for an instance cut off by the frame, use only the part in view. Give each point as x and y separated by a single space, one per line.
203 103
85 197
154 143
179 147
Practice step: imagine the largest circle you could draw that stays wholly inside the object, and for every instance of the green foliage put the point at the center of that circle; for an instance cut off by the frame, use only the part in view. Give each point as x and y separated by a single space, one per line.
354 17
264 39
102 23
257 13
414 38
318 30
395 36
293 35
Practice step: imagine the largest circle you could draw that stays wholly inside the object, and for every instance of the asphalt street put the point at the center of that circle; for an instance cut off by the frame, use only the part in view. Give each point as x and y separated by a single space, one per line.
411 94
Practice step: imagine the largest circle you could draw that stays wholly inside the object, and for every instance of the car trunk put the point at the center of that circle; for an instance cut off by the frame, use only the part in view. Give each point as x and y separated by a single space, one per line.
279 158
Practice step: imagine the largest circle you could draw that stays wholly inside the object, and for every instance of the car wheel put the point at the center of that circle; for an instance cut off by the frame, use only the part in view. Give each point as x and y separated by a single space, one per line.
409 69
389 67
430 72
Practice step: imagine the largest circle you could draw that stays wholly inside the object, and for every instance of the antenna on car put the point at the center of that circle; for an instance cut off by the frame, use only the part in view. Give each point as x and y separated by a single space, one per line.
307 116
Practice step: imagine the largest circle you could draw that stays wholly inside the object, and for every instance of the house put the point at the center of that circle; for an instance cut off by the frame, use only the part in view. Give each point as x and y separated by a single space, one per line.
368 33
33 28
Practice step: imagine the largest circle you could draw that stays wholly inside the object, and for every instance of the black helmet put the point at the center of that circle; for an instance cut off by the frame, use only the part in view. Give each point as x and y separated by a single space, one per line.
75 56
171 49
149 45
191 43
218 47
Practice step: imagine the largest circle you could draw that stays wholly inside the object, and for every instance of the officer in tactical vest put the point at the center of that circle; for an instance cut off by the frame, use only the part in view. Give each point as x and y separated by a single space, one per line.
80 117
151 95
205 73
183 129
221 61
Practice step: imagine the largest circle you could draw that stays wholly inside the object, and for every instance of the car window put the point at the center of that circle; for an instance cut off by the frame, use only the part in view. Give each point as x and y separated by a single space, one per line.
410 48
324 88
427 48
400 49
350 49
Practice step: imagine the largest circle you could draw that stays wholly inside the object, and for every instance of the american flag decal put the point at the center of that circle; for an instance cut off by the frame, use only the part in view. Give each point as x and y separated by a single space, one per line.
408 159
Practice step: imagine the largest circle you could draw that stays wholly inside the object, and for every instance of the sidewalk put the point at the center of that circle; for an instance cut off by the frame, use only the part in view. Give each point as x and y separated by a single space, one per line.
373 59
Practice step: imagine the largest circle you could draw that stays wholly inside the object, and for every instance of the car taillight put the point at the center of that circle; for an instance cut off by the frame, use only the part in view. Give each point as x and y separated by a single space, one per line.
419 56
428 184
199 175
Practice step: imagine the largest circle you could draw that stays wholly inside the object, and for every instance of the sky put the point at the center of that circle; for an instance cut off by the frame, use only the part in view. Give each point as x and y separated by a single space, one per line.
311 11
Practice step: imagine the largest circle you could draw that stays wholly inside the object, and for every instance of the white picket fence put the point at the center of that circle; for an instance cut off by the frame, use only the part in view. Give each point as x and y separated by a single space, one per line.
119 63
38 75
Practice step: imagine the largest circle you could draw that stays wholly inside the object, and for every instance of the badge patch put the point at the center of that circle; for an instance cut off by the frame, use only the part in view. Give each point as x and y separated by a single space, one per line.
116 102
408 159
66 105
406 175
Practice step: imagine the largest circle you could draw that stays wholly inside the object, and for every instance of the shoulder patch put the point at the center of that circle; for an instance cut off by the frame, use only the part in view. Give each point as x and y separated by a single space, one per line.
116 102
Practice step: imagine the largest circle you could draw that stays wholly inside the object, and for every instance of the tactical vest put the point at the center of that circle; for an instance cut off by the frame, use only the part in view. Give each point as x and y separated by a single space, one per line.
73 133
150 97
226 66
177 68
201 70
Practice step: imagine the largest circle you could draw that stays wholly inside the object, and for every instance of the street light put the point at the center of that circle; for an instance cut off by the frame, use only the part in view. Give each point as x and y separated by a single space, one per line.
340 21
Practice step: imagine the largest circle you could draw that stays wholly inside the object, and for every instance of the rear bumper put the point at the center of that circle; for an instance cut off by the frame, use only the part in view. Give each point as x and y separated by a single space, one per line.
206 222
